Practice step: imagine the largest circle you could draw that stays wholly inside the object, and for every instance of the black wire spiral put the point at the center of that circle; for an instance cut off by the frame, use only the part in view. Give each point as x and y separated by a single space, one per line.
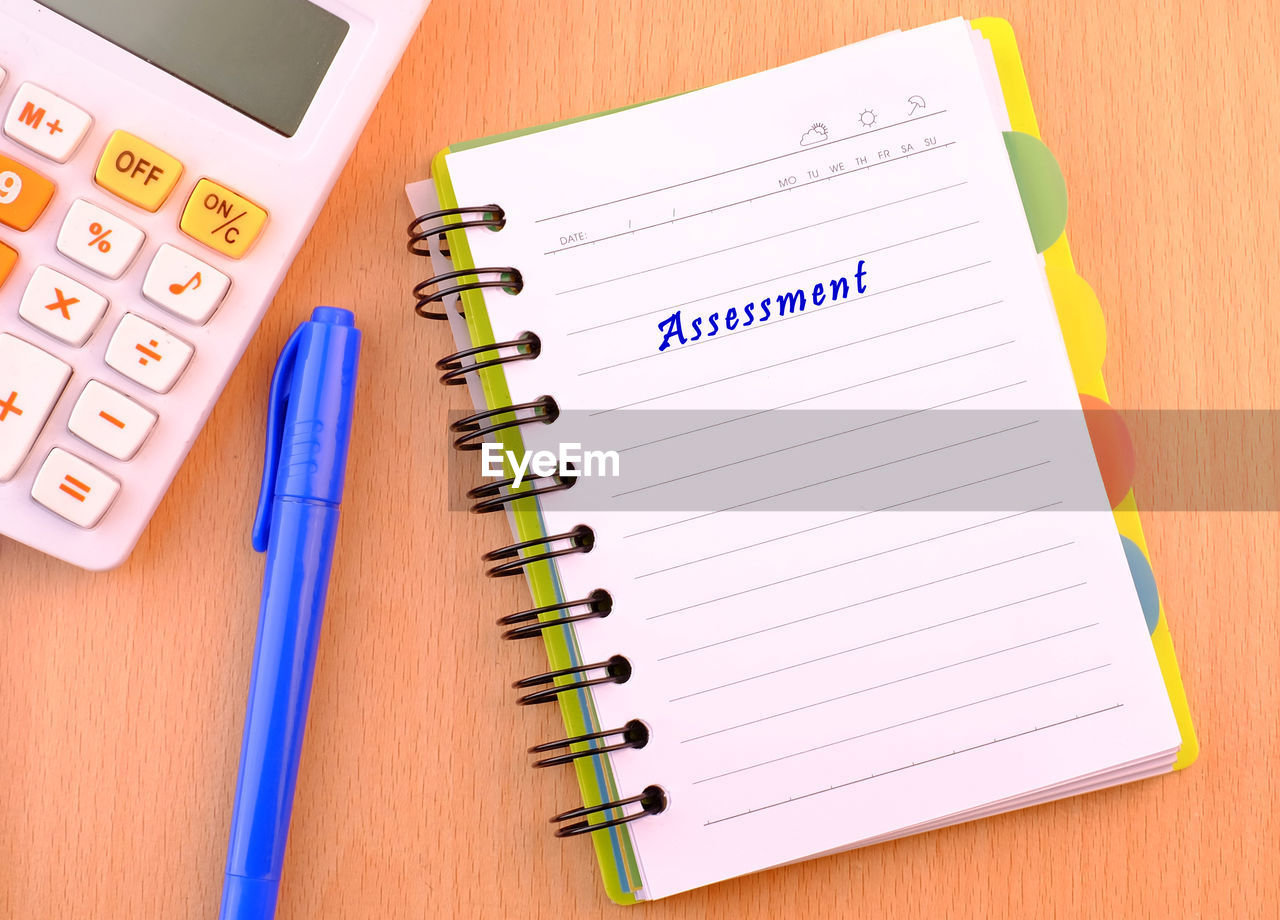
472 432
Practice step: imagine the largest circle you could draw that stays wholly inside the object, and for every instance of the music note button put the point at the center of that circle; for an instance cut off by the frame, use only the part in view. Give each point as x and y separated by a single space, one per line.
184 285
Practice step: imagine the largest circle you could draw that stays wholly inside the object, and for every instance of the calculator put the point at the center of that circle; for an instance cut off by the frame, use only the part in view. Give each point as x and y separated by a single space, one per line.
161 162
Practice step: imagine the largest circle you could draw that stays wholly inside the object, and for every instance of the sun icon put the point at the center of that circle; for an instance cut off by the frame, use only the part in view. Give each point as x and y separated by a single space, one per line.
867 118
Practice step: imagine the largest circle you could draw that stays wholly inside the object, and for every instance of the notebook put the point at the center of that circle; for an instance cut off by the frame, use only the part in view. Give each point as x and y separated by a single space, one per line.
780 385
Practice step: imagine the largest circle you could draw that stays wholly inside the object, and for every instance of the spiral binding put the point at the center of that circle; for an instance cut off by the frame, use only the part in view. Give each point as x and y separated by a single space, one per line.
525 348
598 604
652 801
471 434
580 540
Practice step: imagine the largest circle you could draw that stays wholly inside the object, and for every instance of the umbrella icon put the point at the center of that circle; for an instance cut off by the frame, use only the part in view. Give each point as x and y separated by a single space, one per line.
917 102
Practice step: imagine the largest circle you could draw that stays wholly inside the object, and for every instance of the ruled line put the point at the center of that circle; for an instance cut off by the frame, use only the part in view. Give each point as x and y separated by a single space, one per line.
905 722
812 354
856 559
918 763
865 601
799 271
823 482
826 437
733 169
858 648
782 319
763 239
844 520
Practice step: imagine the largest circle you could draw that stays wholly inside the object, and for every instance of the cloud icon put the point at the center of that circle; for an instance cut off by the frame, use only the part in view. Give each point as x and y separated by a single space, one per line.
815 135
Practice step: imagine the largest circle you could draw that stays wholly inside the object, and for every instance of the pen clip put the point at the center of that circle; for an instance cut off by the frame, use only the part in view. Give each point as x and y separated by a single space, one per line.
277 406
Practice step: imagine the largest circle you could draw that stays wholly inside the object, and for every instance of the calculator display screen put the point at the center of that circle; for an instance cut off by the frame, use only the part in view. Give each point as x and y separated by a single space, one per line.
264 58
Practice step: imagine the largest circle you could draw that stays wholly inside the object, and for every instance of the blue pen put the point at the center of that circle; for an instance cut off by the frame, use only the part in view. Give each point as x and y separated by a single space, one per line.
308 433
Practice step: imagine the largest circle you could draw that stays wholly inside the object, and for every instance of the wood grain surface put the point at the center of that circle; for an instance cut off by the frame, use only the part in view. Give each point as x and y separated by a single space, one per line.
122 694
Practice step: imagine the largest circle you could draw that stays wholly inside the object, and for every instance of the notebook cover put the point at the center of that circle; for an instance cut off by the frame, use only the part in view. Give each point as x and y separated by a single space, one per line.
1084 332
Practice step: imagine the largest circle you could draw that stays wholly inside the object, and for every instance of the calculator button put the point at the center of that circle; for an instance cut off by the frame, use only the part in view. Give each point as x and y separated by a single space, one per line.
110 421
99 240
147 354
61 306
24 194
136 171
31 381
8 259
74 489
45 123
221 219
184 285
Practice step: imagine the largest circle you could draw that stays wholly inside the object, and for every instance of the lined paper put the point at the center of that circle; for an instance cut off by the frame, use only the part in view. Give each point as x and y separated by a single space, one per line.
816 677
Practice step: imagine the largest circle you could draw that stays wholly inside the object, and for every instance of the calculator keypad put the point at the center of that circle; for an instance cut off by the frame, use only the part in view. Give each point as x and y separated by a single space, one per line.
61 306
148 354
45 123
24 194
31 380
98 239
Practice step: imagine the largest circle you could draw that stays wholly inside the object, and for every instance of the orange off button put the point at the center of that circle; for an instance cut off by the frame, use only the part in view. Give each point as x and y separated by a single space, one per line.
136 171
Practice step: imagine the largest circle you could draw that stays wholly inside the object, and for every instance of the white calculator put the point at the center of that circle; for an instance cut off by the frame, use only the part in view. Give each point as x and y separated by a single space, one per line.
161 162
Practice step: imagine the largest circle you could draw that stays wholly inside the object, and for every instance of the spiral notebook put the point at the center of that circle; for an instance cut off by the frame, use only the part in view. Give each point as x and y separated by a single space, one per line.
858 575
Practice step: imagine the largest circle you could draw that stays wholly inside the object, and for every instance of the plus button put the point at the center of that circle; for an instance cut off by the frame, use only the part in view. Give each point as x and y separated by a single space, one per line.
55 126
9 405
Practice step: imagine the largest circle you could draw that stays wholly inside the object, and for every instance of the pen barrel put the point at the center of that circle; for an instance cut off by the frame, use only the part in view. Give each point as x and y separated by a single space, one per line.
295 584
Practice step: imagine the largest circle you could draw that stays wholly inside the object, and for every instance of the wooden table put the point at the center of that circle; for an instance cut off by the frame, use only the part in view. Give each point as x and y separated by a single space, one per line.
122 695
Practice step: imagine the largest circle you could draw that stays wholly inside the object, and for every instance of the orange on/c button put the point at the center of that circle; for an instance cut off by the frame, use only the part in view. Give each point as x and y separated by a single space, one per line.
136 171
222 219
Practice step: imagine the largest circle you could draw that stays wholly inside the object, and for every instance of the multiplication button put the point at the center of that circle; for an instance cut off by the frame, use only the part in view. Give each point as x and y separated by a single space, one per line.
74 489
61 306
147 354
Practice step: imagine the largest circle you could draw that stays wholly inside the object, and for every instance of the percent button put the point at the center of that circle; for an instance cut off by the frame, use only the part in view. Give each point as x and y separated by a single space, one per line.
222 219
99 240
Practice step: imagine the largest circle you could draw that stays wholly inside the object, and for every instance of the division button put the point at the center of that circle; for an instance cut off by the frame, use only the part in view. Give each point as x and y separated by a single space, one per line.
147 354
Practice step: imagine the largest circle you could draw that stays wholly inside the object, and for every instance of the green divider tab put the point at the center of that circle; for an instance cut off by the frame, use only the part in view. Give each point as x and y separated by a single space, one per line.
1040 183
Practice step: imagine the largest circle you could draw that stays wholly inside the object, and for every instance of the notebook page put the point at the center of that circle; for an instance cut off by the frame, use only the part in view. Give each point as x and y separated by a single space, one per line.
816 677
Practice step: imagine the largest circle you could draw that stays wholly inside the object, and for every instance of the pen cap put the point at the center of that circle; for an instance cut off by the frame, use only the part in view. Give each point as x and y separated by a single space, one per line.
320 398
